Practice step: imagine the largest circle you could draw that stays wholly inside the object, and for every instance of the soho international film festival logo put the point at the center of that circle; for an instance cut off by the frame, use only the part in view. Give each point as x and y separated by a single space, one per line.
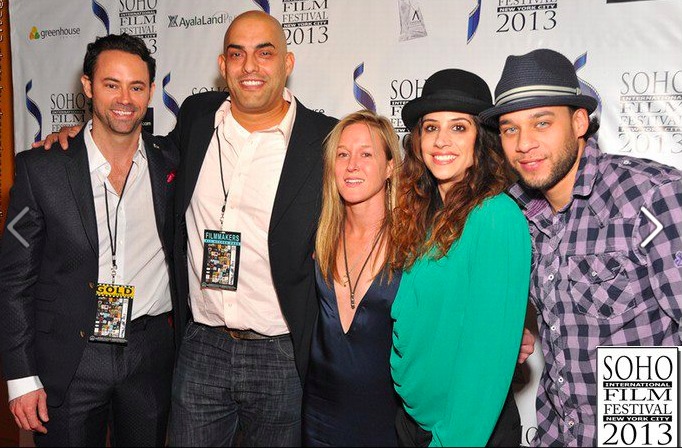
650 112
517 16
362 95
638 396
402 91
305 21
138 18
33 109
101 14
168 99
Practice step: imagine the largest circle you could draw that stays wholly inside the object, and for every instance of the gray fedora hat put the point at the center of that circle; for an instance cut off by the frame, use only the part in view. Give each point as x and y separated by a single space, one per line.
451 89
540 78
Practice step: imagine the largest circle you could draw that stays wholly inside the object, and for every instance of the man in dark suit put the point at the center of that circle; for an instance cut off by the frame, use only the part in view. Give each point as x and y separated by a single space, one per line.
86 335
250 170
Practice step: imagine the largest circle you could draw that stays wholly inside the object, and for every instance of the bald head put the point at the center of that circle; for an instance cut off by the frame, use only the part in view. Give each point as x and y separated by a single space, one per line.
256 65
253 19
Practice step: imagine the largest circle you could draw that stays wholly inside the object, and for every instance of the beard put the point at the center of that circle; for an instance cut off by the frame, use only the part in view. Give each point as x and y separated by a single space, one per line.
559 169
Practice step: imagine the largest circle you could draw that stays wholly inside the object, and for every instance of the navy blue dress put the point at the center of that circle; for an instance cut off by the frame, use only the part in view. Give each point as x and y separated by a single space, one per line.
348 398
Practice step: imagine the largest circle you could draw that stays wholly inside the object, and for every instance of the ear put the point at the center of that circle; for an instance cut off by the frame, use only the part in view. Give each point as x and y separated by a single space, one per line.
221 64
289 61
580 121
152 87
87 86
389 168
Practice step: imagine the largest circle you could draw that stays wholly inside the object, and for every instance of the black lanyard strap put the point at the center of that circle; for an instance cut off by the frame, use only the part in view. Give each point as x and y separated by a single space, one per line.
114 237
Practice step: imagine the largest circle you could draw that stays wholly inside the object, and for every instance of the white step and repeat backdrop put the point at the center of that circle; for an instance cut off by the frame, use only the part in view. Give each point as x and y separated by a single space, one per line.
376 54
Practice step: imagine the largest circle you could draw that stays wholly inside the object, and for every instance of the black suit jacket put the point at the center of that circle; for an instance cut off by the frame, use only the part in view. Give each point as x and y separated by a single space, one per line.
47 290
296 209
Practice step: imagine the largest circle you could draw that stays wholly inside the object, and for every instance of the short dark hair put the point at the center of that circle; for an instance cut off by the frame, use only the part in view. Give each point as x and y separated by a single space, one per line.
122 42
592 128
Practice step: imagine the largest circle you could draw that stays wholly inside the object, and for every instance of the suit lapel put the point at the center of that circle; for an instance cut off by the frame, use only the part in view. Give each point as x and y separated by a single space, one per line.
298 164
200 137
78 171
157 174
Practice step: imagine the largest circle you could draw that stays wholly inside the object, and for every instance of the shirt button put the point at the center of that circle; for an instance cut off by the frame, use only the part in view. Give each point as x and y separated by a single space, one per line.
594 273
553 328
571 423
626 162
561 380
550 277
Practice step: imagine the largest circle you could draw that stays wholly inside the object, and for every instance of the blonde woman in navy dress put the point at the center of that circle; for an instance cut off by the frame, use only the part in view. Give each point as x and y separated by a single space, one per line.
348 398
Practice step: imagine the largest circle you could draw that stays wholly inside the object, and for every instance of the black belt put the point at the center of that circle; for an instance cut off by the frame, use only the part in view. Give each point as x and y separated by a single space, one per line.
247 335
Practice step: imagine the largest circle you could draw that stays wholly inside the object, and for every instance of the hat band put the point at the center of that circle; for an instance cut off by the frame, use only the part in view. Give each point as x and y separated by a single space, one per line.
524 92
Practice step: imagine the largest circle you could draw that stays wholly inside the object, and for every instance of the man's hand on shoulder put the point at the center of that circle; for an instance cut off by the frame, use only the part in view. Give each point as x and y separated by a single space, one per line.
63 137
30 411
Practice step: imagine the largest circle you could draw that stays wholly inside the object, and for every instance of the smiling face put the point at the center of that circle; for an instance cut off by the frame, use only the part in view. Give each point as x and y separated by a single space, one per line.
447 146
255 63
120 91
542 146
361 167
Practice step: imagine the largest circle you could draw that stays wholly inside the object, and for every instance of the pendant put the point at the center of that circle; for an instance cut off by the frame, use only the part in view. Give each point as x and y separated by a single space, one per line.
352 301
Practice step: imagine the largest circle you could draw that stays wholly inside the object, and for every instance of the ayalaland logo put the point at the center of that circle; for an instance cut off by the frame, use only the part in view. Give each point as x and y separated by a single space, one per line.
218 18
36 34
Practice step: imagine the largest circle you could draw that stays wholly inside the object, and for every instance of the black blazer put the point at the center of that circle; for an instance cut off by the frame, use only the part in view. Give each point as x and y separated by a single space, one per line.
293 224
47 290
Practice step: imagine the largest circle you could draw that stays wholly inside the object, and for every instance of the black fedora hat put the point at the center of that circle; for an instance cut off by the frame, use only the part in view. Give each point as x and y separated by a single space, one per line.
449 90
540 78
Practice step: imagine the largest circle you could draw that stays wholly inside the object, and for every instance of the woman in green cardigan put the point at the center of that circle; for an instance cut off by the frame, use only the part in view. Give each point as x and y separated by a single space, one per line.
464 246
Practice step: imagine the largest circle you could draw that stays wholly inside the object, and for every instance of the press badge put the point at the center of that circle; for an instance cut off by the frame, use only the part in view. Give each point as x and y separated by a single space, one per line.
221 259
114 308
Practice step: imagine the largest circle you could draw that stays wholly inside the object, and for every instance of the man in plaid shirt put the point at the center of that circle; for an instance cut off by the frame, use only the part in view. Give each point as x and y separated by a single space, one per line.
602 274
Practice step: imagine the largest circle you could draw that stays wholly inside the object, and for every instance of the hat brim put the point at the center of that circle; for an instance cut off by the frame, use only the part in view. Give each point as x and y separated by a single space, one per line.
490 116
418 107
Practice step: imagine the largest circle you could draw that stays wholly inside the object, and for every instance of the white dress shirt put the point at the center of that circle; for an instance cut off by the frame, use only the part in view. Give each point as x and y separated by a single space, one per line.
251 166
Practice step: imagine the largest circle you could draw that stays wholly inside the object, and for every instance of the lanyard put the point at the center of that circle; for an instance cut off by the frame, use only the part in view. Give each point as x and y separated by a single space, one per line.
114 237
222 178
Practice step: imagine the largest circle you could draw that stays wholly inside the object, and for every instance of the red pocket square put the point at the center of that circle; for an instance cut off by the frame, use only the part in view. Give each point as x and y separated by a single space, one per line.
170 177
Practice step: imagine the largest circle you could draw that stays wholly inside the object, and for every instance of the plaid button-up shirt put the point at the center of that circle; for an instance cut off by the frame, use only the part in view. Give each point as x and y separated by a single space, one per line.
593 284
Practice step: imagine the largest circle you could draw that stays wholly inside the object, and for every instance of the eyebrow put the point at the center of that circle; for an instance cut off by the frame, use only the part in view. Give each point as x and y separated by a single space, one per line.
449 119
119 81
536 115
258 47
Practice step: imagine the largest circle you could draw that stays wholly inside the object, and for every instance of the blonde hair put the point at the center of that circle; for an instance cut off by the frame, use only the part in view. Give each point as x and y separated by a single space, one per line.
333 211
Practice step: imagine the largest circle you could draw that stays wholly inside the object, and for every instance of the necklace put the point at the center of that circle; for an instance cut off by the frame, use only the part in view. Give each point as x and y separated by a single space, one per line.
352 287
346 275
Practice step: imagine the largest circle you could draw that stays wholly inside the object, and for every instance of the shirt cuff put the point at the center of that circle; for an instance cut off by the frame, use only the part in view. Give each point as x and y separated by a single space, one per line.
22 386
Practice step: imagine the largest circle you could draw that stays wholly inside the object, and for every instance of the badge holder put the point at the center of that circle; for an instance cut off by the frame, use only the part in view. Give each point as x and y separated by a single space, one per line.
114 308
220 268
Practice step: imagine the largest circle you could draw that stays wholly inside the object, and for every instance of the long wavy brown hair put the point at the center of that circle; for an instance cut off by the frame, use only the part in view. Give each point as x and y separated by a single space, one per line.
422 221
